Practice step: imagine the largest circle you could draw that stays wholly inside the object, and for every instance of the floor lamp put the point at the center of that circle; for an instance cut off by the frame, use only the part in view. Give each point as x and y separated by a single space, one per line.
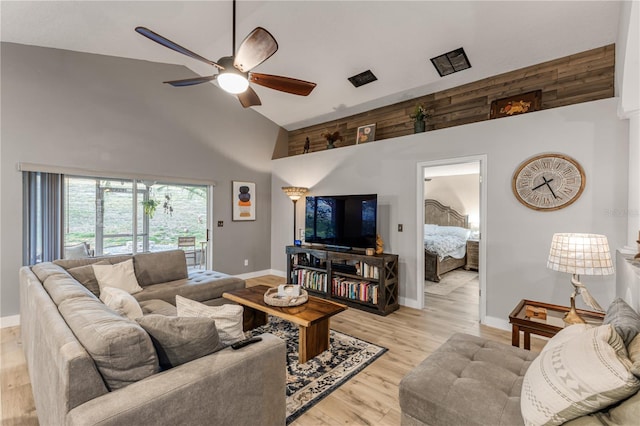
294 192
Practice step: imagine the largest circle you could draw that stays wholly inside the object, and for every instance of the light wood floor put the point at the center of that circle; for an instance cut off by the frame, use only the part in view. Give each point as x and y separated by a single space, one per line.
369 398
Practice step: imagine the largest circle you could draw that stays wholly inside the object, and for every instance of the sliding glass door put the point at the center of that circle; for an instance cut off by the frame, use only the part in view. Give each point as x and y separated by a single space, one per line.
117 216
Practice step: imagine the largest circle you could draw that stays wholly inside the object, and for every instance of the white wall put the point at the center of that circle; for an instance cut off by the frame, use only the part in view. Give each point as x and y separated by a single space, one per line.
460 192
104 113
517 238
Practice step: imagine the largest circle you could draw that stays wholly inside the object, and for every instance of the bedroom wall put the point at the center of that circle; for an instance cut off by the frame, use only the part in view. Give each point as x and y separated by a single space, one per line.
462 193
104 113
517 238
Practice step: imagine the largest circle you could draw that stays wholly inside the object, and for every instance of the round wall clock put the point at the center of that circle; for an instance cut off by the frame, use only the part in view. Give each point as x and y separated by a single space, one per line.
548 182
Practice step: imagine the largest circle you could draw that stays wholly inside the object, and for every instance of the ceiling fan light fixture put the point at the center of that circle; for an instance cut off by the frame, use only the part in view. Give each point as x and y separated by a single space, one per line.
232 82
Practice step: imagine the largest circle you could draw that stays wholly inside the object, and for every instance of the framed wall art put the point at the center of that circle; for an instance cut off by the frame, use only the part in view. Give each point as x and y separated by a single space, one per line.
366 133
516 105
243 200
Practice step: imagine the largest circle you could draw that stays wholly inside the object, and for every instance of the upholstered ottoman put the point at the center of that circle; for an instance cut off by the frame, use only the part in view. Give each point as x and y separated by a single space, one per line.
468 381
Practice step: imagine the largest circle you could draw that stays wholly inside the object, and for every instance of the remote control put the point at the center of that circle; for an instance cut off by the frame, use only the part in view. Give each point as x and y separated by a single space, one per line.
245 342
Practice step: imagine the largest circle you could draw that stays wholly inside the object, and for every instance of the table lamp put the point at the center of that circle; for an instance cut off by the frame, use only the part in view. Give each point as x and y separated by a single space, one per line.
580 254
294 192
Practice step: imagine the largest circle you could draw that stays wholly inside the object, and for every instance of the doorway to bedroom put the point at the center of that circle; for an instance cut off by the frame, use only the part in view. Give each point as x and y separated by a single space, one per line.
450 250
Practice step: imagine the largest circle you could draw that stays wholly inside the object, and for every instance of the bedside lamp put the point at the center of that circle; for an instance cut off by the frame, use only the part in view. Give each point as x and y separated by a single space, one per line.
580 254
294 192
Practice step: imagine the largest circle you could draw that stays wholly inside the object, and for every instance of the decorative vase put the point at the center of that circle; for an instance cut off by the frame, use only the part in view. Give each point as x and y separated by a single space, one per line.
330 145
419 126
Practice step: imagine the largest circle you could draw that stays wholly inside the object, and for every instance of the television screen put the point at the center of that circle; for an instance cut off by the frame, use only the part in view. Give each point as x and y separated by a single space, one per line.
341 220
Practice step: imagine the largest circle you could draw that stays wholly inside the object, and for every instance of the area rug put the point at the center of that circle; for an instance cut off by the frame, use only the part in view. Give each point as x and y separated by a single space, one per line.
449 282
309 383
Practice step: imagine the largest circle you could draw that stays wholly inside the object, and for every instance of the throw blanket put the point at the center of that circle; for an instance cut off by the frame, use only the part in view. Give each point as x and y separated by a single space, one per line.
446 245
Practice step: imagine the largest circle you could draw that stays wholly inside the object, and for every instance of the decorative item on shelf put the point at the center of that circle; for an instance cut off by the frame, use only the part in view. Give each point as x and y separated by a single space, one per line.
379 244
149 206
515 105
294 192
307 143
332 138
580 254
420 114
275 297
366 133
370 252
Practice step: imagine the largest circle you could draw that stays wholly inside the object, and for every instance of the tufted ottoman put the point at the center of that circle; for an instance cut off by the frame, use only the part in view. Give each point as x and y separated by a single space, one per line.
467 381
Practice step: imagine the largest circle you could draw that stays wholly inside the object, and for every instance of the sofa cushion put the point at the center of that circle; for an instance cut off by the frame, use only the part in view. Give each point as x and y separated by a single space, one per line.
179 340
86 277
200 286
483 376
634 355
578 377
121 302
74 263
46 269
624 319
160 267
120 348
228 317
157 306
61 288
121 275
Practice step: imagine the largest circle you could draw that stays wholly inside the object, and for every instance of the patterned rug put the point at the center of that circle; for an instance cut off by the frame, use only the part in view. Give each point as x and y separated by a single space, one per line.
450 281
309 383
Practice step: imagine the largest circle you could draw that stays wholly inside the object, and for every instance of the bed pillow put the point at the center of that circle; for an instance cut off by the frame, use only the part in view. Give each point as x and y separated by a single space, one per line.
121 275
228 317
179 340
455 231
580 376
430 229
121 302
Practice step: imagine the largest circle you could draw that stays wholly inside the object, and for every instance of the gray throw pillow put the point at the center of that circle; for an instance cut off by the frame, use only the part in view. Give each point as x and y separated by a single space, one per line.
180 339
84 275
625 321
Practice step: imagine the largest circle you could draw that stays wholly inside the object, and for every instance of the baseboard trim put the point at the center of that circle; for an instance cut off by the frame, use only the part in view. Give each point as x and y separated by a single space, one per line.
496 322
409 303
10 321
262 273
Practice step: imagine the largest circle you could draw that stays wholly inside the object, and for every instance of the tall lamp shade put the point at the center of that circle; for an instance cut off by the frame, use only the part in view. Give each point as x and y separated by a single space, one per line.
295 193
580 254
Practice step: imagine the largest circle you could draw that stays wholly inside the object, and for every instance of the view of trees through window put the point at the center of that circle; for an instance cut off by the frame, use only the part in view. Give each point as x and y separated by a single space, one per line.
100 212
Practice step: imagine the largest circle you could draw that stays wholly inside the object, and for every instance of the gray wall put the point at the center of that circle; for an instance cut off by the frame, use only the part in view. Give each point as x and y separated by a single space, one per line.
104 113
461 193
517 238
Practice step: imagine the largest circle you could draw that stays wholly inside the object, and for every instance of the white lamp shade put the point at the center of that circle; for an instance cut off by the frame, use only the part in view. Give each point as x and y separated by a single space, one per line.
580 254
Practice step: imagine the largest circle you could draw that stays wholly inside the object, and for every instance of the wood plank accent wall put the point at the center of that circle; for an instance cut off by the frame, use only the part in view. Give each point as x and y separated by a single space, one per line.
583 77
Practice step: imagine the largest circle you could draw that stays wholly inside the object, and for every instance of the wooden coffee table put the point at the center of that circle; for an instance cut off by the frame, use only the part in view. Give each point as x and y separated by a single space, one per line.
311 317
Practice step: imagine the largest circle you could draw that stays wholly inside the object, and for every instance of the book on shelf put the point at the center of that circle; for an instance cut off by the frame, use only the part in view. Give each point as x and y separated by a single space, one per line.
362 269
364 291
313 280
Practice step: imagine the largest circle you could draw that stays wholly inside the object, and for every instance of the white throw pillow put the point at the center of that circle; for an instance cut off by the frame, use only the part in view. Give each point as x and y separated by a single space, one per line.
579 376
121 302
228 317
566 334
121 275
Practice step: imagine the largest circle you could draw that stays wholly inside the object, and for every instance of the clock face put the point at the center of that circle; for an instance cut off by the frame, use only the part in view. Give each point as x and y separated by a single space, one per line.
548 182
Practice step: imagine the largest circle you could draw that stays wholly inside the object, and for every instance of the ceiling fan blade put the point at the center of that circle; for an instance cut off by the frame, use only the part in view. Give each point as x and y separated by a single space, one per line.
171 45
191 81
249 98
283 84
255 49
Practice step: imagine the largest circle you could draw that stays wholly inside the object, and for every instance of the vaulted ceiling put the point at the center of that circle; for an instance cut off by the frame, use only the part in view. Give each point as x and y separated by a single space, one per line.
326 41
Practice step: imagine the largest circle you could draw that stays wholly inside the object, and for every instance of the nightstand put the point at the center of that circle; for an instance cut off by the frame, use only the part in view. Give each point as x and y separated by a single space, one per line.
547 327
472 255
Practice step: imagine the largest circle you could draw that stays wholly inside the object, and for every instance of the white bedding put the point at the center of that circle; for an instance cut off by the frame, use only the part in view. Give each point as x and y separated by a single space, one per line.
446 240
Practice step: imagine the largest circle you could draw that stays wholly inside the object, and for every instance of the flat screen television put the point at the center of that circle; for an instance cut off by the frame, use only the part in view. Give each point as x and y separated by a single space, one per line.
344 221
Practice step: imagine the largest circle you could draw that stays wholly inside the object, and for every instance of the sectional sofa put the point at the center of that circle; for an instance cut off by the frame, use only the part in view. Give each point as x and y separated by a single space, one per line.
89 365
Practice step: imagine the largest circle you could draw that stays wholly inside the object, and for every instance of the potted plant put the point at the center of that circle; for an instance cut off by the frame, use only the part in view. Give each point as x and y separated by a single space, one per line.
149 207
331 138
420 114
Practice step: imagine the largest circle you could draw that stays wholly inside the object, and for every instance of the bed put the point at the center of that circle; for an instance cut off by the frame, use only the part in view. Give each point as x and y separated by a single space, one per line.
445 239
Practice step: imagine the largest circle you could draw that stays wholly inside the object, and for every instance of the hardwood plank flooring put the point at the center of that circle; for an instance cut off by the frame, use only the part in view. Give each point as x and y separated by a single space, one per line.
369 398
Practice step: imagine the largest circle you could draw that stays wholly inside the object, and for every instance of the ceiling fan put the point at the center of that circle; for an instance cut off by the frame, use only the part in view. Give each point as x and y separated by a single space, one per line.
234 73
